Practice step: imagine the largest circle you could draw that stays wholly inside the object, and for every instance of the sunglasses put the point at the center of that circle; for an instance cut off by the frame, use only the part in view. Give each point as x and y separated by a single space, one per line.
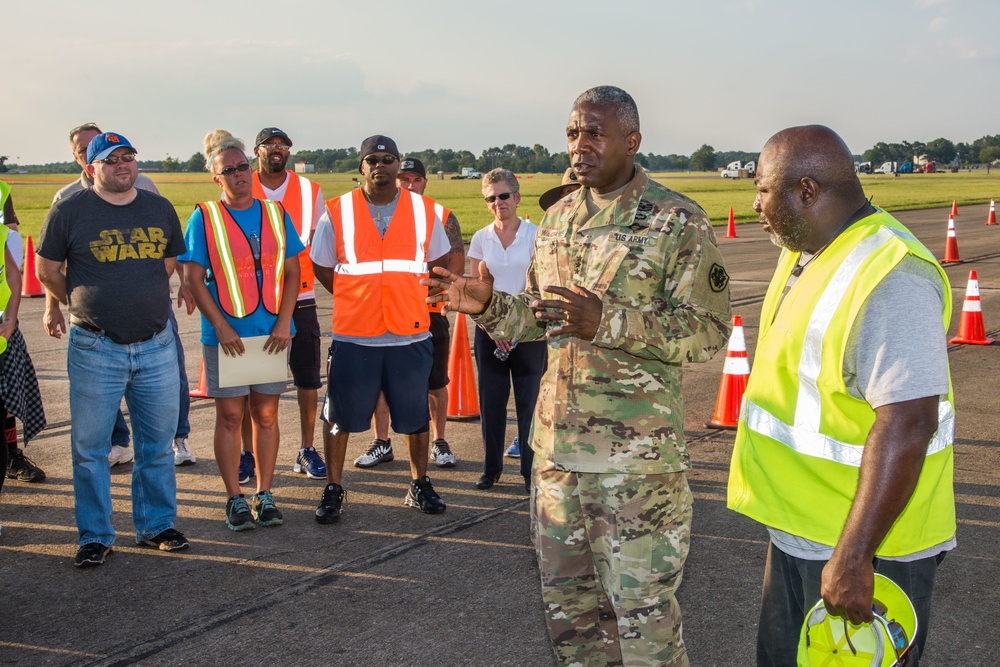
385 159
229 171
113 159
504 196
280 147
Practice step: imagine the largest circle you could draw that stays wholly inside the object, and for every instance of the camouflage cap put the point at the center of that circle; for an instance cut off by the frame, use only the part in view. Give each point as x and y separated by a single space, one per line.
550 197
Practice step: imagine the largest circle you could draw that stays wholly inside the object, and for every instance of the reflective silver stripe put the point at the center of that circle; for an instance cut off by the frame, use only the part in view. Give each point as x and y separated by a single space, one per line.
807 408
404 266
359 269
420 228
277 222
439 213
308 208
347 227
225 254
810 443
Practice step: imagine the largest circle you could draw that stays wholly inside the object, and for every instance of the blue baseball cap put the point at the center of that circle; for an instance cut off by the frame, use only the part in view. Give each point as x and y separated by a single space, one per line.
105 144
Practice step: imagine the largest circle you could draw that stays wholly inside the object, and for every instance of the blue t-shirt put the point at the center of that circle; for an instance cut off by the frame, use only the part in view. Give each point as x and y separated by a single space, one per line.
259 322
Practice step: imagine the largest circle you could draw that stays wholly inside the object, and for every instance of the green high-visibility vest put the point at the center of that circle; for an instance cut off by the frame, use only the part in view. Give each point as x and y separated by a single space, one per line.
801 435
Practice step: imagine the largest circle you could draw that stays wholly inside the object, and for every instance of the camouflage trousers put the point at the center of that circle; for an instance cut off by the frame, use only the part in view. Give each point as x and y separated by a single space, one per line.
611 550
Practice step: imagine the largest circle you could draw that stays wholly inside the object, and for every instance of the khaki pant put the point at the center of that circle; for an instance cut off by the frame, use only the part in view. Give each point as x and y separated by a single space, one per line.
611 550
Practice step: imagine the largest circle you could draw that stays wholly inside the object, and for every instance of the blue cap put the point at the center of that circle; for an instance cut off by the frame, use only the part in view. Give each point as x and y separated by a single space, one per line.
105 144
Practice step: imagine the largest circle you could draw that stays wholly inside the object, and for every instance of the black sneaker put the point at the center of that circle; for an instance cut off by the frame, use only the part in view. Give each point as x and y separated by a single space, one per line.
331 505
263 510
168 540
238 515
21 468
91 555
423 496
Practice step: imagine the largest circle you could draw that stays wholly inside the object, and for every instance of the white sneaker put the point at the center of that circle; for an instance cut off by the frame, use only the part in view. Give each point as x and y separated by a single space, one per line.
183 455
119 455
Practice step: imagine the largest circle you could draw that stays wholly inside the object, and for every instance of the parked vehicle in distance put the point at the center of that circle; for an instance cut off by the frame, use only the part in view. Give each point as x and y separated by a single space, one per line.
863 167
886 168
467 172
733 169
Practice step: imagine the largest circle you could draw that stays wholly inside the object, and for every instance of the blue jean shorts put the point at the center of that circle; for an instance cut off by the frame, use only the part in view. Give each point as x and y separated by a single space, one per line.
357 373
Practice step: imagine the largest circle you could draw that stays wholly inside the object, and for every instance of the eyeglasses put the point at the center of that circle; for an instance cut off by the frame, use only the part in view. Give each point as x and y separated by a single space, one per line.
280 147
113 159
229 171
385 159
503 196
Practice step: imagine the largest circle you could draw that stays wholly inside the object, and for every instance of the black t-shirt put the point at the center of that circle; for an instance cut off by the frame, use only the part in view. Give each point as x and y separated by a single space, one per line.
116 278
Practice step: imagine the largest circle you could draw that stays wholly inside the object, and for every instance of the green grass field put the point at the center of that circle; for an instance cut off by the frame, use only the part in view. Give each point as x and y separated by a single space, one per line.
33 193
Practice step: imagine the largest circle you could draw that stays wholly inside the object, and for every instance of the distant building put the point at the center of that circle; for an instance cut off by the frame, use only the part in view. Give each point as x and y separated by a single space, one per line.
305 168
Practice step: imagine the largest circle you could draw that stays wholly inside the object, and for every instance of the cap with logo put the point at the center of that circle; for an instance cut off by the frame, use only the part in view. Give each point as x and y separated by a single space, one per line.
105 144
550 197
378 144
413 166
269 132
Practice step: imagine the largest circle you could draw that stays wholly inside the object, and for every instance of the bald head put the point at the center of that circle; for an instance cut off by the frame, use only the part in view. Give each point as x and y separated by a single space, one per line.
816 152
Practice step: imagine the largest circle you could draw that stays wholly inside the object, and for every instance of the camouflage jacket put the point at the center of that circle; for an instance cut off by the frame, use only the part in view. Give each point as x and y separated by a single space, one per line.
614 405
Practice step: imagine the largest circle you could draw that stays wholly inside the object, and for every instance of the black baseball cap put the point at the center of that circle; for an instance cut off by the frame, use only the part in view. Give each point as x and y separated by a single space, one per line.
413 166
269 132
378 144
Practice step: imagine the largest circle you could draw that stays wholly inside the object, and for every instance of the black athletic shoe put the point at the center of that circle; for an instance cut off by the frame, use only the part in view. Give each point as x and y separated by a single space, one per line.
168 540
263 509
21 468
331 505
238 515
91 555
423 496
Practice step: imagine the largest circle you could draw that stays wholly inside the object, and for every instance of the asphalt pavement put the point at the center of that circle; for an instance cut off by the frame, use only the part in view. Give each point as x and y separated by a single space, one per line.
391 586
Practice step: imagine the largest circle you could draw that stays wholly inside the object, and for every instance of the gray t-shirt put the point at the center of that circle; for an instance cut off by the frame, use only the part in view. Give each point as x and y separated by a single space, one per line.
142 182
887 362
116 278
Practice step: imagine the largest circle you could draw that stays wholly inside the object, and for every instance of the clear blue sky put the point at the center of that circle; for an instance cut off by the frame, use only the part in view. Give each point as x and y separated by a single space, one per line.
470 75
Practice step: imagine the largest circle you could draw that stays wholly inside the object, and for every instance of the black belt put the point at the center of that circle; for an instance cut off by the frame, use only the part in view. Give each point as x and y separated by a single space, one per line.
87 326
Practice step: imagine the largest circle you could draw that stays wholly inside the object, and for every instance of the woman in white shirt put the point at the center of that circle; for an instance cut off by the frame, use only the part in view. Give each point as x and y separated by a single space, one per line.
506 246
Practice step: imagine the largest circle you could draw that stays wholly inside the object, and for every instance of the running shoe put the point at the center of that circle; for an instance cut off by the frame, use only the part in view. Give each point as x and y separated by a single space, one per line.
380 451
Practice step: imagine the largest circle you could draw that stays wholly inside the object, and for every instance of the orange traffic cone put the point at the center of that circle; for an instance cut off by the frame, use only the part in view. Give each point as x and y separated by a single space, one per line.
463 399
992 219
731 232
527 217
202 390
954 208
734 380
971 329
30 285
951 245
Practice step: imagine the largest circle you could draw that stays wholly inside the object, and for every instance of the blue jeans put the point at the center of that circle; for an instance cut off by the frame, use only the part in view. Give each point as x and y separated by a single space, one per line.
101 372
120 433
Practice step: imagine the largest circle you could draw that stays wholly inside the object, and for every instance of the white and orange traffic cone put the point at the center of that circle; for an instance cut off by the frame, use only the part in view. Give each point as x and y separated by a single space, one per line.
951 245
992 218
734 380
202 390
954 208
971 328
463 399
30 285
731 231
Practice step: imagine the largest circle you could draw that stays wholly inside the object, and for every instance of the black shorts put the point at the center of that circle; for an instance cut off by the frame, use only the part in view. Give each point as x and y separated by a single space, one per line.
442 341
357 373
305 357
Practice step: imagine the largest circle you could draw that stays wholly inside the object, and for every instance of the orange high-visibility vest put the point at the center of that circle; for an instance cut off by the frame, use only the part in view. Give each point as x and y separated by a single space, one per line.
233 265
376 286
442 213
299 201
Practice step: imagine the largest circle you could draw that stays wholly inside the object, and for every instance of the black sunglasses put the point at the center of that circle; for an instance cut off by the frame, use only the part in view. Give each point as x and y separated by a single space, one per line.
504 196
385 159
113 159
229 171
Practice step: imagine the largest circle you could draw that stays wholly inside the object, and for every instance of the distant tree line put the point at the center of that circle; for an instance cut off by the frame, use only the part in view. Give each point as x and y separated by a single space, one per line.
525 160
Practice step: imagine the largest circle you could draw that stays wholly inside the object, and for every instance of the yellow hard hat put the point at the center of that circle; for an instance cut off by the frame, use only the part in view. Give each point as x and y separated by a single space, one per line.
832 641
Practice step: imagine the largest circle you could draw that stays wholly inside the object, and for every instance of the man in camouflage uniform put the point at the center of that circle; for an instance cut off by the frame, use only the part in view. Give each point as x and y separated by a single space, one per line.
640 288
